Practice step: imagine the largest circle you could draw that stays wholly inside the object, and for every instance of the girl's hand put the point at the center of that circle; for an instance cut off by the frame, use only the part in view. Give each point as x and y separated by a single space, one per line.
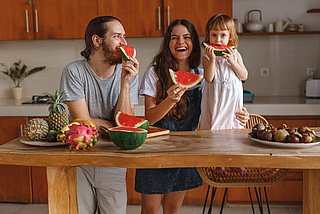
209 51
229 56
243 116
175 92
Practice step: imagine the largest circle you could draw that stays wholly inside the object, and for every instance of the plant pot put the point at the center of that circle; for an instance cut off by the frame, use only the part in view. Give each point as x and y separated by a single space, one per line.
17 93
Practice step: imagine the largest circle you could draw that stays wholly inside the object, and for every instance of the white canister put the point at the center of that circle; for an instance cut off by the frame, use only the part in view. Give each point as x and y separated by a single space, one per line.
270 27
238 26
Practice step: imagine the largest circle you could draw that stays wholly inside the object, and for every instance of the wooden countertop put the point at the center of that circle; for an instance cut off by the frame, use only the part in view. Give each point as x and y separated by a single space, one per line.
179 149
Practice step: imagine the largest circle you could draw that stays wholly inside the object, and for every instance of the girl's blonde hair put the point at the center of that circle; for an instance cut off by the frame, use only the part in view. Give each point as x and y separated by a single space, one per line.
222 22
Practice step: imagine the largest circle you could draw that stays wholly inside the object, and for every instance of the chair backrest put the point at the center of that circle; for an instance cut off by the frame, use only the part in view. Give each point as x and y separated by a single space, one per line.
254 119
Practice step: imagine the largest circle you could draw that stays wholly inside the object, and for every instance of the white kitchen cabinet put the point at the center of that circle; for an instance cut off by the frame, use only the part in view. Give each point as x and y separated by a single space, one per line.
45 19
145 18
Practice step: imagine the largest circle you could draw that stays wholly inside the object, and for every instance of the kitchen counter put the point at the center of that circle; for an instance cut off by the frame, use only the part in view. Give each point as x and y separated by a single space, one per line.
268 106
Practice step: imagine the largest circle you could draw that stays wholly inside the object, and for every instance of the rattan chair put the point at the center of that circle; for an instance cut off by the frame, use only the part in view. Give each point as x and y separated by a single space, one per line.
256 178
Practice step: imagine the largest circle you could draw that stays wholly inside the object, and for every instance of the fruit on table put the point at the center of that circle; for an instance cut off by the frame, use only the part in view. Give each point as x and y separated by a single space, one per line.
80 136
52 136
302 134
184 78
127 137
58 114
127 52
219 50
128 120
36 129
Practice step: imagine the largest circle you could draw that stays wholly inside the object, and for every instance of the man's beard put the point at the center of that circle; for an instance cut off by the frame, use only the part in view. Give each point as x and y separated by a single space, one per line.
110 56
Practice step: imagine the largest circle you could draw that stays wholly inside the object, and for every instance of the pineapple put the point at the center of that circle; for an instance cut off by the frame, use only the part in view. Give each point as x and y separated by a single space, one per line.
36 129
58 111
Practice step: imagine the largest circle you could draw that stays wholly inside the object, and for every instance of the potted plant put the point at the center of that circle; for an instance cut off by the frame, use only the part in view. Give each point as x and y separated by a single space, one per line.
17 72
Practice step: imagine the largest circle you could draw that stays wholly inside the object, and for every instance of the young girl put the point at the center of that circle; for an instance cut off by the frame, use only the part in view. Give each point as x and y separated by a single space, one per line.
170 106
223 93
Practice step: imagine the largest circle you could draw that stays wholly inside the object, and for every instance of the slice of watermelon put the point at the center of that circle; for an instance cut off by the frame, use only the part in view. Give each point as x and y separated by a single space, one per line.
127 52
185 79
219 50
123 119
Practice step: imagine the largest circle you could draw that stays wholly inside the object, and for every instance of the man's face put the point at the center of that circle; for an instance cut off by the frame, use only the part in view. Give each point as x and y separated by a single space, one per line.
114 38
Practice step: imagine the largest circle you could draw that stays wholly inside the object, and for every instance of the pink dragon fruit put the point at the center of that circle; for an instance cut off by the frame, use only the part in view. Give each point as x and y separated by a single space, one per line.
81 136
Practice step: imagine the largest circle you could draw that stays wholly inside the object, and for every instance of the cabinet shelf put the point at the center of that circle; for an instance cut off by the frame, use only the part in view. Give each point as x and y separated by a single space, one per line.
278 33
316 10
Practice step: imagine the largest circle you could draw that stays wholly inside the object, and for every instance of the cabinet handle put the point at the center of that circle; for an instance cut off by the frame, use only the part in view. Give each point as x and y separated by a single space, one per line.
27 21
36 15
159 18
21 130
168 15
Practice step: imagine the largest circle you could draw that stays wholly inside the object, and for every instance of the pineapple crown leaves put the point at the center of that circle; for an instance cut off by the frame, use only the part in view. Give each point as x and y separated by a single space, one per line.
57 101
18 72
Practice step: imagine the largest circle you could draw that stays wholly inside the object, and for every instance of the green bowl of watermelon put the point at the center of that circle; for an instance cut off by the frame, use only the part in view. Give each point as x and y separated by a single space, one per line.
127 137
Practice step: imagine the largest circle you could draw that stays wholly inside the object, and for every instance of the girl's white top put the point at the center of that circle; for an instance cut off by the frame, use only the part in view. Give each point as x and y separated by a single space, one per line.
222 98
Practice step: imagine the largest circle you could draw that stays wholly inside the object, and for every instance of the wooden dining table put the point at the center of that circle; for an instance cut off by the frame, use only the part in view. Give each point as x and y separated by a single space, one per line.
229 148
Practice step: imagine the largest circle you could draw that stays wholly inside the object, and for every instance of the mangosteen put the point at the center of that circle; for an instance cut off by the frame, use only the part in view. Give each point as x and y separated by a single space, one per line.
52 136
267 135
256 128
294 137
280 135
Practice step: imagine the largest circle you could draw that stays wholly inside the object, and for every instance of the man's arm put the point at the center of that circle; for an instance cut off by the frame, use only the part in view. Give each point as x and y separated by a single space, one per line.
79 109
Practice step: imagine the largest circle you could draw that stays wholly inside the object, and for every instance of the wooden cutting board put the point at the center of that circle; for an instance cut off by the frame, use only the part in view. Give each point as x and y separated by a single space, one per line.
155 131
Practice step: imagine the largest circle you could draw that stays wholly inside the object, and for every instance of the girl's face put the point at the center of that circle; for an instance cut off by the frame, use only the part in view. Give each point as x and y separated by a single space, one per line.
219 37
180 44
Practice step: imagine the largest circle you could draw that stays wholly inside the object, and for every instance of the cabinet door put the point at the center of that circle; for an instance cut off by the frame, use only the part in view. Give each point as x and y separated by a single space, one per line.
16 20
15 181
61 19
140 18
198 12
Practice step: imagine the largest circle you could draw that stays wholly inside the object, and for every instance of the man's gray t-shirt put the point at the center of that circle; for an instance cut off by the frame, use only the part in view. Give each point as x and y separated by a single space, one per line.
79 81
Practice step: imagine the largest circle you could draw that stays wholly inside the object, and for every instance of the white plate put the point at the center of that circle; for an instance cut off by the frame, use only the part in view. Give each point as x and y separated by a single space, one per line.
286 145
24 140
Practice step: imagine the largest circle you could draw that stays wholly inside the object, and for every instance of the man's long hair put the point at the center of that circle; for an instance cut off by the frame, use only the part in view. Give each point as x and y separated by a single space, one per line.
97 26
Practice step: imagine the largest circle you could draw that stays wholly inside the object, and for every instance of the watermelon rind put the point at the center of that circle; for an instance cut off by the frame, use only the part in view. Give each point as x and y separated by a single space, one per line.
123 119
124 54
127 138
218 52
173 77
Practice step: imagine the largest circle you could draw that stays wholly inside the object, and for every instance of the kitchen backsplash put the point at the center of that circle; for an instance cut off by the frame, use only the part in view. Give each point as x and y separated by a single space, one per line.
286 57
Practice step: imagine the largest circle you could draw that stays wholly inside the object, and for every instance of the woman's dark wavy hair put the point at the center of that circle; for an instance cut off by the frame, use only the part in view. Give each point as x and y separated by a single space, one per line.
96 26
165 60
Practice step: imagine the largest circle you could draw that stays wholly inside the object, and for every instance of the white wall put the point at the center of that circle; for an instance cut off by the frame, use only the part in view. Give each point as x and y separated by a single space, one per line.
287 57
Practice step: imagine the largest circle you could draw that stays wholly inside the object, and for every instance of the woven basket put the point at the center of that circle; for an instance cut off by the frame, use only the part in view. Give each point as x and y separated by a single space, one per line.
253 177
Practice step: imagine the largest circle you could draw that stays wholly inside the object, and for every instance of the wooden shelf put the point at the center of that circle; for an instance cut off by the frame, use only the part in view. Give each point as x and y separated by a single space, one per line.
316 10
278 33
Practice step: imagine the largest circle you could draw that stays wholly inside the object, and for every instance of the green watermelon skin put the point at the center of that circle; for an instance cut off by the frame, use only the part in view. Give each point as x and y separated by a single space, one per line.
127 138
123 119
219 51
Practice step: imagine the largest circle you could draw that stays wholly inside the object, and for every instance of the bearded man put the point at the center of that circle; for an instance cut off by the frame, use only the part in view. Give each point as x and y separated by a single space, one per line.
97 88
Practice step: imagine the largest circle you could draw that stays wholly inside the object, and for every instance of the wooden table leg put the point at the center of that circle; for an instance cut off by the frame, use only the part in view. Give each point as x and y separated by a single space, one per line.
311 191
62 190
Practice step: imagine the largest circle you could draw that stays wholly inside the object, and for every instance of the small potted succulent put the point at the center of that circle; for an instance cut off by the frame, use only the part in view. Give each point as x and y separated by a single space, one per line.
17 72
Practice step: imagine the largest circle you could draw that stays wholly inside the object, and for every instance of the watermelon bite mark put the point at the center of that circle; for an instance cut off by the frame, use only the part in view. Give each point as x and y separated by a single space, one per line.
219 50
127 52
185 79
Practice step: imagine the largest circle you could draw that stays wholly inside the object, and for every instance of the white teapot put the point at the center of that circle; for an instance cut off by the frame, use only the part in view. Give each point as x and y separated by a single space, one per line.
254 25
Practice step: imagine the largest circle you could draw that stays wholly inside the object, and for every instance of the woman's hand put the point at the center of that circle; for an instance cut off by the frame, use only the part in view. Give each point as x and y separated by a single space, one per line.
243 116
175 92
